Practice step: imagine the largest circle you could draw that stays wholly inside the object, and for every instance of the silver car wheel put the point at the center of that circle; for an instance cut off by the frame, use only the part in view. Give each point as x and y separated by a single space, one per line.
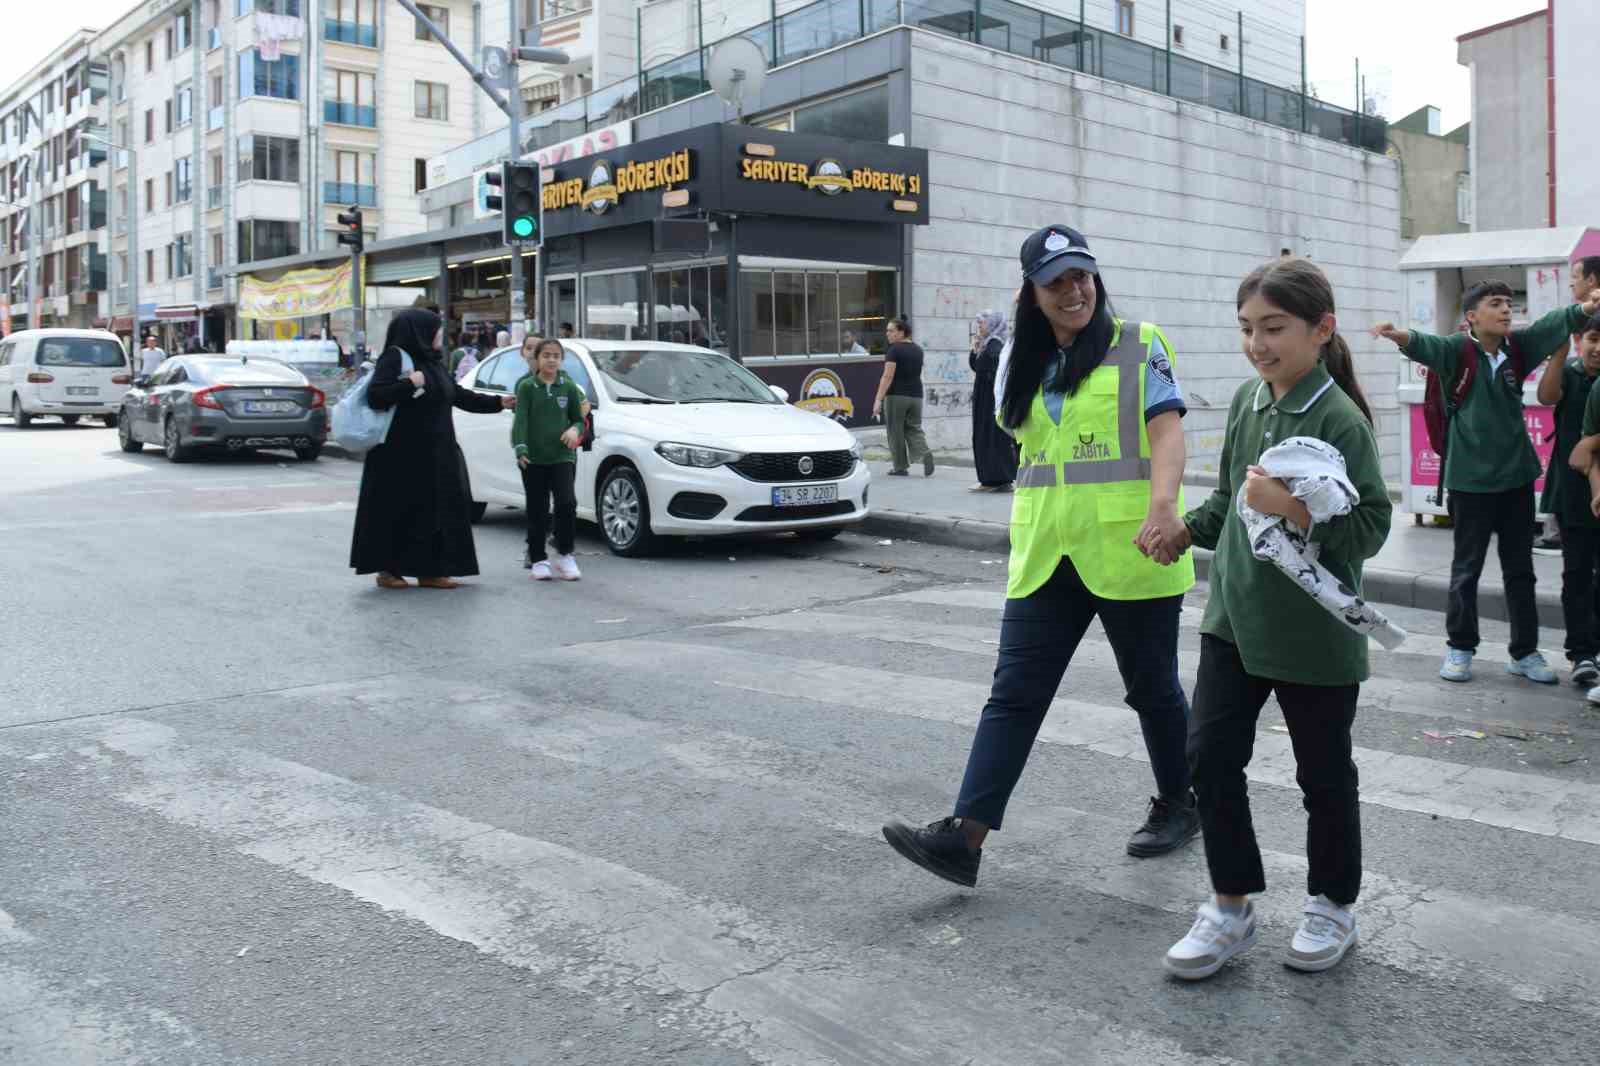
619 511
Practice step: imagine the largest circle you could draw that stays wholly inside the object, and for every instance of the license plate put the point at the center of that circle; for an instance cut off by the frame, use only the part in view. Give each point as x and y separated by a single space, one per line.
269 407
81 390
805 495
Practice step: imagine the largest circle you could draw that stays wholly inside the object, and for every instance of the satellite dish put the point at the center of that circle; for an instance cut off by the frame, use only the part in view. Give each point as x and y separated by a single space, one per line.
737 70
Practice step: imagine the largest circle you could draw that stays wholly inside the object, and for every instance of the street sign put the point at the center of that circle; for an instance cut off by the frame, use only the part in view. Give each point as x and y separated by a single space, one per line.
497 67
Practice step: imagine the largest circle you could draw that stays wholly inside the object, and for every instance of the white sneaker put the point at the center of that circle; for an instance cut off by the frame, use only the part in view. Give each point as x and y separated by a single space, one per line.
566 568
1326 932
541 571
1594 696
1215 937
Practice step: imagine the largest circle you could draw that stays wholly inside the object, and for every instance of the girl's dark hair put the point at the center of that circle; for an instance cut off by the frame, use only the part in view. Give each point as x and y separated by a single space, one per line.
539 348
1300 288
903 324
1033 346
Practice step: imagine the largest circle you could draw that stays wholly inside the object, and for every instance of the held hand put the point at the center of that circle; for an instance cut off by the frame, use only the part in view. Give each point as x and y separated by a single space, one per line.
571 437
877 412
507 403
522 461
1163 537
416 378
1266 494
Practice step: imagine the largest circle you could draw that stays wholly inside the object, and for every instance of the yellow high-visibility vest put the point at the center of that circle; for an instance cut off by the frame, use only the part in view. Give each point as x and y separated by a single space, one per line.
1083 486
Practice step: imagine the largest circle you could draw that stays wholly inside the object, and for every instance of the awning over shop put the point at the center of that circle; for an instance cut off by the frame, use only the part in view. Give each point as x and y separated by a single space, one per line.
296 294
177 313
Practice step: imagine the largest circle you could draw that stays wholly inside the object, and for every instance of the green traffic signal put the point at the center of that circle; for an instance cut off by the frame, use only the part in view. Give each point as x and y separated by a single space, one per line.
522 226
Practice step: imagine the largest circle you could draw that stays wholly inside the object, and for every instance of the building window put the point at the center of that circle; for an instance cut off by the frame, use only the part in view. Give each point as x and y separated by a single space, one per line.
1464 198
169 188
440 16
185 30
149 125
149 194
269 158
1224 42
355 101
168 120
185 106
267 239
1125 17
169 52
150 56
433 100
279 79
270 7
421 175
215 168
170 274
150 265
216 248
794 313
1177 35
183 257
183 177
862 115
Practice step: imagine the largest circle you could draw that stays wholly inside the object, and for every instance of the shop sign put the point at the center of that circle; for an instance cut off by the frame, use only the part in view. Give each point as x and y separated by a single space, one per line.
298 294
607 183
595 142
829 177
842 390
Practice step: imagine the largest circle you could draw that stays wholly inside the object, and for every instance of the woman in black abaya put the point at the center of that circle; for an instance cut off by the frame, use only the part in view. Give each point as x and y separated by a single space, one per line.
993 451
413 517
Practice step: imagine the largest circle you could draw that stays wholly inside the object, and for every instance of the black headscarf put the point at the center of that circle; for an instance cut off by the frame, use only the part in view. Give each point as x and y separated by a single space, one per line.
412 331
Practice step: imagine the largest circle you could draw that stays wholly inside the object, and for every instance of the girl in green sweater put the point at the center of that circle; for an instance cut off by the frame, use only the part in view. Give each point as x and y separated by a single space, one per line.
548 428
1263 635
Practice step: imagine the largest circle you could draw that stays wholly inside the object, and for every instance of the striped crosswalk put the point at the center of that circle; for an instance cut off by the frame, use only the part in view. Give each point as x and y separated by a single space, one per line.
684 827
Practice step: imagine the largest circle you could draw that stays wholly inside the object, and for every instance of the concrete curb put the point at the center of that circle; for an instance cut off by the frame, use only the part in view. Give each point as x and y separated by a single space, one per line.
1428 592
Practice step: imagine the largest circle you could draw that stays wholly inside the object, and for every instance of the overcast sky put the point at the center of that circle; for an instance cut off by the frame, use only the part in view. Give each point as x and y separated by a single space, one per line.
1407 47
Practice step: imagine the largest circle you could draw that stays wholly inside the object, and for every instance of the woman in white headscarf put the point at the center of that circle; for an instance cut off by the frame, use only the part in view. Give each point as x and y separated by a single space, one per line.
993 451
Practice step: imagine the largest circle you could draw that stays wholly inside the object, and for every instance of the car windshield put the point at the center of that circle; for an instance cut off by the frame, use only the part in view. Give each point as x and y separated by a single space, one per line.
662 375
80 351
249 372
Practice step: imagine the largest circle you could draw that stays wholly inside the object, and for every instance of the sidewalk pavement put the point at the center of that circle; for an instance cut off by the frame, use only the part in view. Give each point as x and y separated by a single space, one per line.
1412 570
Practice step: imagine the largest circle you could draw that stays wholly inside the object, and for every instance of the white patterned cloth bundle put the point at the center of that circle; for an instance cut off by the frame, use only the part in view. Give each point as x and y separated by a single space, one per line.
1315 474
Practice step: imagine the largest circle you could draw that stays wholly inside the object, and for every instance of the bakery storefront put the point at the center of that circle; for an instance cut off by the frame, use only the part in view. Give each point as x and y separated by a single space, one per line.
787 251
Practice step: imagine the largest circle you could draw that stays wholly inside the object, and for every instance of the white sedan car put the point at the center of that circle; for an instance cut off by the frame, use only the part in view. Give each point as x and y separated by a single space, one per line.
686 443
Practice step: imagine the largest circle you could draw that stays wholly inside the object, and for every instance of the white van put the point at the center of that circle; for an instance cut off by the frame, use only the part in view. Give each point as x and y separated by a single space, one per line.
68 373
295 353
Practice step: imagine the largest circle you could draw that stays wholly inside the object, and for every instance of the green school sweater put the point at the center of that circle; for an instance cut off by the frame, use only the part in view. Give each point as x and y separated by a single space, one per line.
1566 490
544 412
1489 449
1280 631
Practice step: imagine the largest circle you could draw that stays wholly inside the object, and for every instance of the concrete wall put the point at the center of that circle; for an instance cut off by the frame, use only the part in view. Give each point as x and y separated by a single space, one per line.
1509 151
1577 28
1179 203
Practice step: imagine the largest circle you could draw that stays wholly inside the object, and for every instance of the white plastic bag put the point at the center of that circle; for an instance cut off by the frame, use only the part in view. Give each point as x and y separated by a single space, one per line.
357 426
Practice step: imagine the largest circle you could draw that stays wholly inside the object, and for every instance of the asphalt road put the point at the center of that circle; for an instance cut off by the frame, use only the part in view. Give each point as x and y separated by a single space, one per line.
259 811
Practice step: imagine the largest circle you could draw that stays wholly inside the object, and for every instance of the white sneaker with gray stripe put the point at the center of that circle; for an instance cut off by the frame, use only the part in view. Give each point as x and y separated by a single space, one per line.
1326 932
1215 937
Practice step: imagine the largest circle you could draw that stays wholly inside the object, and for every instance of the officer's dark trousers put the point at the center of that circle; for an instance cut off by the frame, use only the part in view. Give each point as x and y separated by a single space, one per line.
1038 636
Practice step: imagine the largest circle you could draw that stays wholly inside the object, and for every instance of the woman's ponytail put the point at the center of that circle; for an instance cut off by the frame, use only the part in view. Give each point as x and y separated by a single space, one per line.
1342 368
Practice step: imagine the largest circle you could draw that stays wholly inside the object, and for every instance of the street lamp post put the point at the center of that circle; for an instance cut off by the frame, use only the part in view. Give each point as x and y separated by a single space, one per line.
133 228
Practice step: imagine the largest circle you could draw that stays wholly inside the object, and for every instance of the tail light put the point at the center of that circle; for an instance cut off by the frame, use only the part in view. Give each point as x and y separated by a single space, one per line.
38 378
121 379
207 398
318 398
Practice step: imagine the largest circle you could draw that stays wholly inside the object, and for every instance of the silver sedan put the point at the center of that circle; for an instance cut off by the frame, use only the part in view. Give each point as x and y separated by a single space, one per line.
195 402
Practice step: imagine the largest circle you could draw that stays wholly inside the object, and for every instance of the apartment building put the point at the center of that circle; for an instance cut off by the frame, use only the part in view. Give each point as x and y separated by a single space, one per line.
53 204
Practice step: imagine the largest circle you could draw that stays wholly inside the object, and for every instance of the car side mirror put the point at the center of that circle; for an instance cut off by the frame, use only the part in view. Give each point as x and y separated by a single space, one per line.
781 393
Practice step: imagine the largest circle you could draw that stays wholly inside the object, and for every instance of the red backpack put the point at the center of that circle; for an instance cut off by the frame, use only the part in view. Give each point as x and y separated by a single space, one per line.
1438 409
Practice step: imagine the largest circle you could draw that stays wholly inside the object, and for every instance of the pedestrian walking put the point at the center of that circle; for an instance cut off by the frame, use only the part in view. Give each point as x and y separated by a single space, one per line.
1098 494
1489 464
899 401
544 436
150 356
1263 634
994 452
412 517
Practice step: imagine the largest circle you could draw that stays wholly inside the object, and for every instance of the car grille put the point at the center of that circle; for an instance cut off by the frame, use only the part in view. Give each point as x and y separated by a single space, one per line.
792 514
785 466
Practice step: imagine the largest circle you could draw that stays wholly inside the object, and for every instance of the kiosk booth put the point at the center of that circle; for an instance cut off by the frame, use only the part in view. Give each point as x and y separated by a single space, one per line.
1436 271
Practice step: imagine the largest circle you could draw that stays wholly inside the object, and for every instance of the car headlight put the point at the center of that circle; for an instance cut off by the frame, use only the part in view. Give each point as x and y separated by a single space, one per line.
695 455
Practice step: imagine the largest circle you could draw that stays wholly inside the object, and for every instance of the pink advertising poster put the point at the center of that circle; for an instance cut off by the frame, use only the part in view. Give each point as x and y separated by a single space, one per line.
1540 422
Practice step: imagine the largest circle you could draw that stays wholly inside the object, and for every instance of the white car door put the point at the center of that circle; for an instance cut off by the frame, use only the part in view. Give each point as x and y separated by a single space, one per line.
486 439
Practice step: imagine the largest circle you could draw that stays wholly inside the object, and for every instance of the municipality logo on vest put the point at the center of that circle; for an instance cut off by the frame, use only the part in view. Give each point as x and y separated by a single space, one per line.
1090 449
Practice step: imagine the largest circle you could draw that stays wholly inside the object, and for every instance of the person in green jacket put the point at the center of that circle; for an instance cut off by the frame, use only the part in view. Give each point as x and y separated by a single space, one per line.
1490 465
1262 634
547 430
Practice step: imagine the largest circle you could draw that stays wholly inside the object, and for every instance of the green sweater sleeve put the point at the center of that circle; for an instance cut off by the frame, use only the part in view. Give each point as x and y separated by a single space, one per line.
519 424
1591 414
1548 333
1361 533
1206 521
1439 354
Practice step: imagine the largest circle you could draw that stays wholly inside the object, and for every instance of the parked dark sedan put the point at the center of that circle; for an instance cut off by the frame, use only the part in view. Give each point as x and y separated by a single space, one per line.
195 402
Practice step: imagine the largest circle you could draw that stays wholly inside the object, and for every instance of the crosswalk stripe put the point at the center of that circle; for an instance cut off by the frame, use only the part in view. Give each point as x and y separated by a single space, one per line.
1534 953
718 971
1526 802
1424 699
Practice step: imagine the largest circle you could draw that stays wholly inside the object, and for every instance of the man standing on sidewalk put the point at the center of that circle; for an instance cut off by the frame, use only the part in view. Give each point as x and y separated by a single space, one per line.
150 357
899 401
1490 464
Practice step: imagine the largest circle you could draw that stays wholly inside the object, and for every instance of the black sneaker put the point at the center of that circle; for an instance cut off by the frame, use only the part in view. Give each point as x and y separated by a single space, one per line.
1168 826
941 849
1547 546
1585 672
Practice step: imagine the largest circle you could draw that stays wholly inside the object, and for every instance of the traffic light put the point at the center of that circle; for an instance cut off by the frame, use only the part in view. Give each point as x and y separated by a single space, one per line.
351 232
496 180
523 219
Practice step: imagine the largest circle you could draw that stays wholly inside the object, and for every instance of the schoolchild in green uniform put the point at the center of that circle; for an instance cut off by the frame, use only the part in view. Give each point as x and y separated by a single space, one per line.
548 427
1262 634
1490 465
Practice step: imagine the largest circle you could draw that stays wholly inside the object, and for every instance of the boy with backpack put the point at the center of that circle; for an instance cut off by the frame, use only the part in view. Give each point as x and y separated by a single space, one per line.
1489 463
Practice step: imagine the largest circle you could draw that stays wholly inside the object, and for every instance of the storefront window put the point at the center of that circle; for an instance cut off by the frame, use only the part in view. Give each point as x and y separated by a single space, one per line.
867 301
789 313
690 305
822 313
614 306
755 317
563 306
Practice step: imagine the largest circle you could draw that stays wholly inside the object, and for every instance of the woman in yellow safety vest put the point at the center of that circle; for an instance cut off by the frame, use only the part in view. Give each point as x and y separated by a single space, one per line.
1095 406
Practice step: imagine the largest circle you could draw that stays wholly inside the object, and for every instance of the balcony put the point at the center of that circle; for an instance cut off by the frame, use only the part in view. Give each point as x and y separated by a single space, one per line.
215 118
356 33
343 114
344 192
213 278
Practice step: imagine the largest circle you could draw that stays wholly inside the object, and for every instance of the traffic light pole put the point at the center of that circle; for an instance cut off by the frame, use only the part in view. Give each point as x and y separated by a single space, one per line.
519 297
358 309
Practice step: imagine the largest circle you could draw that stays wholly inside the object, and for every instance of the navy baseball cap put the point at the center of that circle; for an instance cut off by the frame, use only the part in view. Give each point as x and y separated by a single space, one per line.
1053 251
